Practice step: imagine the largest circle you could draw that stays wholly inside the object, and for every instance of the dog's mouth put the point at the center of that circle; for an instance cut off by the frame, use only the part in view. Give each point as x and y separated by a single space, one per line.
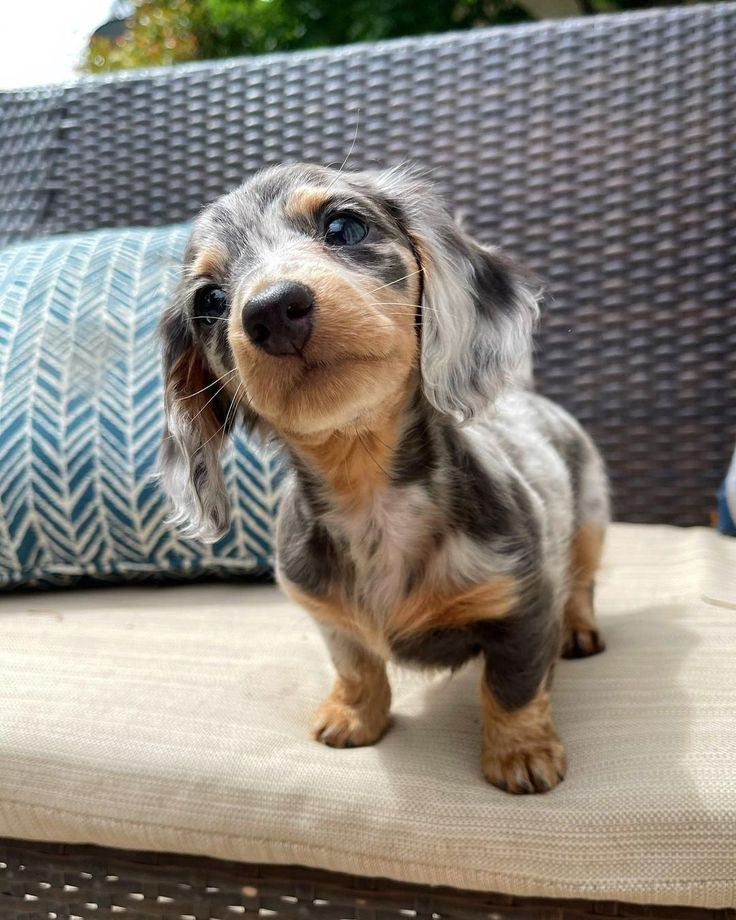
308 393
307 363
315 366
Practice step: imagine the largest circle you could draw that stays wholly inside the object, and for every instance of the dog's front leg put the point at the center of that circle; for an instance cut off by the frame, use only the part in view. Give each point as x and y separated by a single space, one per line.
521 750
356 712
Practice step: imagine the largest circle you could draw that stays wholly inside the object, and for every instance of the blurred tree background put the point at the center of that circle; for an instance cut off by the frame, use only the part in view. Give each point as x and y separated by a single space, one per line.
145 33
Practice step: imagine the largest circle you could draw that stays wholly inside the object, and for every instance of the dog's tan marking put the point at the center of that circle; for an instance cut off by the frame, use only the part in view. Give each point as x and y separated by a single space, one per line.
211 260
305 201
581 637
521 751
187 389
354 466
338 613
356 712
355 463
425 609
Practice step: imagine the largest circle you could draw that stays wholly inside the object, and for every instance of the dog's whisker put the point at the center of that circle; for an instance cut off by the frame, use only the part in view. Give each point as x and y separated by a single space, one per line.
349 153
367 449
394 303
222 427
211 399
389 283
212 437
236 403
401 314
407 306
233 405
227 375
381 441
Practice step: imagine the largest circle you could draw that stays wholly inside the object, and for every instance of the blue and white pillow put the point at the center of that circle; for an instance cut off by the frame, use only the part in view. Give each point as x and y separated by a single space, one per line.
81 414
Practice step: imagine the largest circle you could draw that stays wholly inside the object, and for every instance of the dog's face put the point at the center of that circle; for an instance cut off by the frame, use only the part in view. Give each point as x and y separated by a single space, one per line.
311 300
308 287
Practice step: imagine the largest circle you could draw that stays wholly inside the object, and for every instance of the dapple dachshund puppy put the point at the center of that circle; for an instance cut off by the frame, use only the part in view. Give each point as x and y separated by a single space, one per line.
436 511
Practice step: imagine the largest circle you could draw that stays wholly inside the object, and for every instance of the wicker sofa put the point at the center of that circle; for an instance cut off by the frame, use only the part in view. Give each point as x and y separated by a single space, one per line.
603 151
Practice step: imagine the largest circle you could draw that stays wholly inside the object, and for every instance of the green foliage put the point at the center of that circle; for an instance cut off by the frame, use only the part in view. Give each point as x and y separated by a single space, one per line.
168 31
158 32
253 26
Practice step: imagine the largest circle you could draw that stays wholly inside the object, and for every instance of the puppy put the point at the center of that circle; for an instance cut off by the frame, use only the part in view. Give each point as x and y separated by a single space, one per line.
436 510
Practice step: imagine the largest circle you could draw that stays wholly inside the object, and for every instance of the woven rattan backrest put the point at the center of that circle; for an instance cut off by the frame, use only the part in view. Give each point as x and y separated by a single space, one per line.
602 151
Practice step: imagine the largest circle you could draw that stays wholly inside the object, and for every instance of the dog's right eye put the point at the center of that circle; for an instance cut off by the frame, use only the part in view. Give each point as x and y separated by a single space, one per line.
210 304
345 230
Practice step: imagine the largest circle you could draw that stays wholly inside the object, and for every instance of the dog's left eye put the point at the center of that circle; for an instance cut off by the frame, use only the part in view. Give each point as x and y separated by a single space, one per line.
210 303
345 230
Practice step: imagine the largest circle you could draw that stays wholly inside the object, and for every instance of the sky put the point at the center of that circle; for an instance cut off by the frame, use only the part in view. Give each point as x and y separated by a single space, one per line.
42 40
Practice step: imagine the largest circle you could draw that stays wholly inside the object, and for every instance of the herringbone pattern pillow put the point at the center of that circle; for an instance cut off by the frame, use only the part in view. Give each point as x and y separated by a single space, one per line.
81 419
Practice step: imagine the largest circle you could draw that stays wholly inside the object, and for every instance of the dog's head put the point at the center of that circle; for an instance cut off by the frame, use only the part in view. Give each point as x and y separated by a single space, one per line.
310 300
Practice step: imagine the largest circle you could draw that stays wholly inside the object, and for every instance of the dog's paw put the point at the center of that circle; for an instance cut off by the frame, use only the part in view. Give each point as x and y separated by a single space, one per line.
536 767
339 725
581 643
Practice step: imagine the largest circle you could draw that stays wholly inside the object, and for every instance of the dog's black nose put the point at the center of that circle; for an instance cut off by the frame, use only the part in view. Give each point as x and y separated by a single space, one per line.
279 319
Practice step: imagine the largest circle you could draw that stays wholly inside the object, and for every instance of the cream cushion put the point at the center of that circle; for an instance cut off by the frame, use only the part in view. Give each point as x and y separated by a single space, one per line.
177 719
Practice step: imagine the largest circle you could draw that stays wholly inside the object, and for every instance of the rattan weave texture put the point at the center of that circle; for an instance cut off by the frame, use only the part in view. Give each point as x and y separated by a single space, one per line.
41 881
30 138
603 151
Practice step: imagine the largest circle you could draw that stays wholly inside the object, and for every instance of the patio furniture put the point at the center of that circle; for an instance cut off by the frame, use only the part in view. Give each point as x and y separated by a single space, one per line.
154 760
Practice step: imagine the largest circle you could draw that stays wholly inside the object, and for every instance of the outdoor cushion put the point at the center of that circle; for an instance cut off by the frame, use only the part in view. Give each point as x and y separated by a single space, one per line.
81 415
176 719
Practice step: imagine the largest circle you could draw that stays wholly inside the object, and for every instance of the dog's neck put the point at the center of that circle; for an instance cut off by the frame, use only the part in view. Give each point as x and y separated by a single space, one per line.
349 469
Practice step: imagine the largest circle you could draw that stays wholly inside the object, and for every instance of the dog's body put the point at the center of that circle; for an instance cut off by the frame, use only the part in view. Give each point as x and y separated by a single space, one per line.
407 535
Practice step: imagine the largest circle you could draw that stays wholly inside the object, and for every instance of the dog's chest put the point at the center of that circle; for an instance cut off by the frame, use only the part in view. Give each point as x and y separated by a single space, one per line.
388 542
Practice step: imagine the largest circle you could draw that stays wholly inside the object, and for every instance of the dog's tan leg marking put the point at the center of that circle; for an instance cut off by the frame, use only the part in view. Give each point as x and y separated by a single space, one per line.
356 712
580 633
521 752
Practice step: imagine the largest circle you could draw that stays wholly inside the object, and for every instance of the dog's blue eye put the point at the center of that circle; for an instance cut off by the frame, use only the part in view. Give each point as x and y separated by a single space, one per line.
345 231
210 303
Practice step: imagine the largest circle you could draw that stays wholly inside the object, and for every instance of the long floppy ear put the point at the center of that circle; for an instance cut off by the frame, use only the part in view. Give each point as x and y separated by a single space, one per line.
479 307
194 433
